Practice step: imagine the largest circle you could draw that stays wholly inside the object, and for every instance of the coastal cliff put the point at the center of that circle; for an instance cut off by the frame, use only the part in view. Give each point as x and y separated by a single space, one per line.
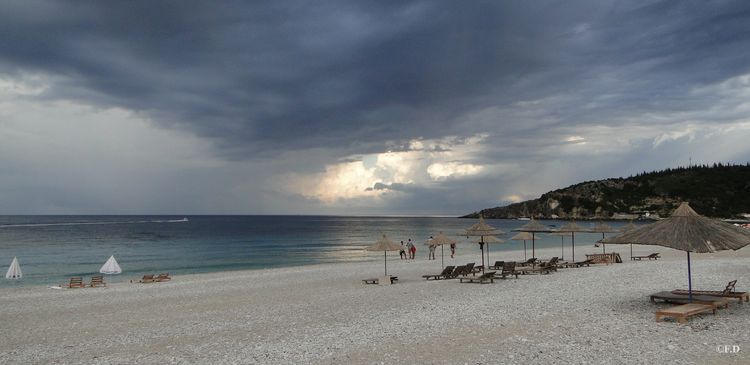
721 191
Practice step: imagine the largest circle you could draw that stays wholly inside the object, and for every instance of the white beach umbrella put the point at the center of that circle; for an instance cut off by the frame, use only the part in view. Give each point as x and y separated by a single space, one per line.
111 266
14 271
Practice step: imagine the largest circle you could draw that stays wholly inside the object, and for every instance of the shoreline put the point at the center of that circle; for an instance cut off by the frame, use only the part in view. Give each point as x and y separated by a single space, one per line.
323 314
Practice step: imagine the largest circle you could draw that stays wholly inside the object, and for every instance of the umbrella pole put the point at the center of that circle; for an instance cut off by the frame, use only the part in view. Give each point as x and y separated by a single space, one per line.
442 252
603 245
562 247
524 250
690 282
481 248
533 249
573 244
631 252
385 262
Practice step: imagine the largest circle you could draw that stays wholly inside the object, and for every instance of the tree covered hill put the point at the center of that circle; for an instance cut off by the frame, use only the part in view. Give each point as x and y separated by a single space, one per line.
719 190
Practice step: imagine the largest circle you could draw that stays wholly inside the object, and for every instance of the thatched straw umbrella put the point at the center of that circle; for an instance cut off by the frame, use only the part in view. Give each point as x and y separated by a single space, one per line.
562 242
572 228
603 228
482 230
533 226
687 231
441 240
384 244
523 236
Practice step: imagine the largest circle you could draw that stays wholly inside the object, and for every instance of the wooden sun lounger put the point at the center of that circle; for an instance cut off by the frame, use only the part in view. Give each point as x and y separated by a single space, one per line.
509 269
147 279
683 299
497 266
488 277
394 279
682 312
76 282
163 277
97 281
653 256
443 275
728 292
528 262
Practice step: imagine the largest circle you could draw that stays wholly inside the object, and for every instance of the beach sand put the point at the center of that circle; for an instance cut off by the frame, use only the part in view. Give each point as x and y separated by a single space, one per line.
323 314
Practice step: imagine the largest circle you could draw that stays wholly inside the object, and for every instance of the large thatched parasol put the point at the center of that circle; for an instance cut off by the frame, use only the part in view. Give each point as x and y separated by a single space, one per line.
525 236
384 244
572 228
687 231
603 228
533 226
441 240
482 230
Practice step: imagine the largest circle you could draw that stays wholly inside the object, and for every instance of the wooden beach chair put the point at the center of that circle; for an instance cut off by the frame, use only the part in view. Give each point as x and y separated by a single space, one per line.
509 269
458 270
682 312
469 269
550 265
97 280
488 277
163 277
653 256
443 275
528 262
728 292
497 266
147 279
76 282
668 297
394 279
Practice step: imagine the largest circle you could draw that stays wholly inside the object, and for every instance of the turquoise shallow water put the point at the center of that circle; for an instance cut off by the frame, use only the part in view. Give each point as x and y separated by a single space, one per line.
51 249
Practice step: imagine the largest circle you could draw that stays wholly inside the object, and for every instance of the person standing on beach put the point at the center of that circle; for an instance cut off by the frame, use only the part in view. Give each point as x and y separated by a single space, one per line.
431 254
402 252
453 249
412 249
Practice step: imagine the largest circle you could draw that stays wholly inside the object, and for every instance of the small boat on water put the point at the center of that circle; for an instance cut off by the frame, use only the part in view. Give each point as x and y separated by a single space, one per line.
523 218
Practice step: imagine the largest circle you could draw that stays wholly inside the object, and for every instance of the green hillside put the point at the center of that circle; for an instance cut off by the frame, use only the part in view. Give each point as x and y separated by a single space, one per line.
717 191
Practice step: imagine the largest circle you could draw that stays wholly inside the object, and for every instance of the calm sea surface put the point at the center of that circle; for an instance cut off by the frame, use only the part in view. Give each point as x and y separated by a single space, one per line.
51 249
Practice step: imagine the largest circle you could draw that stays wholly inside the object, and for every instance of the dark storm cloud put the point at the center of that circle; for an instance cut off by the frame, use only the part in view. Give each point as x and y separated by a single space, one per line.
268 76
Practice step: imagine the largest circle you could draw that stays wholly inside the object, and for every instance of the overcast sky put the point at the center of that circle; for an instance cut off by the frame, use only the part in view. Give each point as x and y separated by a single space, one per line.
358 107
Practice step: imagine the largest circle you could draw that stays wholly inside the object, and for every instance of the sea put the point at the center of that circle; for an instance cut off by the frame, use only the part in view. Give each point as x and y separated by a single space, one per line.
51 249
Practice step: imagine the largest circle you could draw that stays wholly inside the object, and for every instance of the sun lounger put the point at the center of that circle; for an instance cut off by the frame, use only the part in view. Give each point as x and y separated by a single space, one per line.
163 277
97 280
458 270
653 256
470 269
682 312
509 269
534 270
728 292
551 264
443 275
394 279
147 279
76 282
497 266
683 299
488 277
528 262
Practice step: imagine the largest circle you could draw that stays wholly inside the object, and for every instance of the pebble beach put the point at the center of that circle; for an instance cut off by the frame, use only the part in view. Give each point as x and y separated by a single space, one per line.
324 314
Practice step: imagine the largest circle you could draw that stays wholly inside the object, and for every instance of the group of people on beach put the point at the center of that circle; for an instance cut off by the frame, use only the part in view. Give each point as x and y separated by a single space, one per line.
409 250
